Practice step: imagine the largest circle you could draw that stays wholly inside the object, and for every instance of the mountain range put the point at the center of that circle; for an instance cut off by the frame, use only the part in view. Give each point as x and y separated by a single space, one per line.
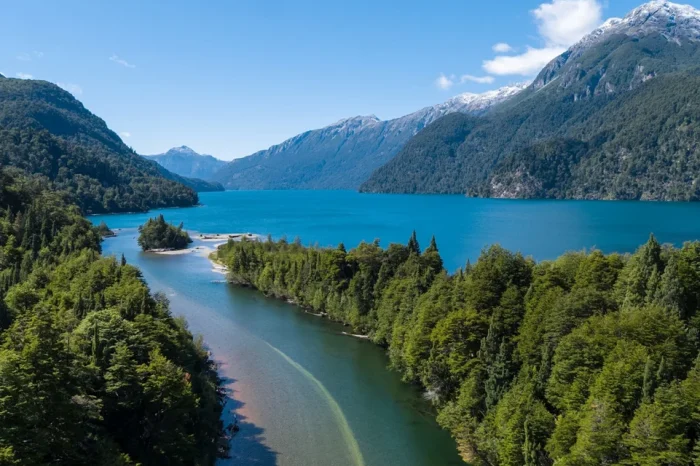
614 117
344 154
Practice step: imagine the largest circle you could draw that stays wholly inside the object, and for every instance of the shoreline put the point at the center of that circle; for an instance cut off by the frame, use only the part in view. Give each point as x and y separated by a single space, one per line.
219 238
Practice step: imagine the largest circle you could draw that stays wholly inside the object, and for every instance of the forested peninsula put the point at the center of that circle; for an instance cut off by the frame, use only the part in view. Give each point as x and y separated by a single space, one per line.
588 359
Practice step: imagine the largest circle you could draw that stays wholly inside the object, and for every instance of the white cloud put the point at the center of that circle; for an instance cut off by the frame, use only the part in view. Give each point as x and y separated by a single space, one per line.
502 47
444 82
525 64
72 88
115 58
476 79
125 134
24 76
560 24
564 22
38 54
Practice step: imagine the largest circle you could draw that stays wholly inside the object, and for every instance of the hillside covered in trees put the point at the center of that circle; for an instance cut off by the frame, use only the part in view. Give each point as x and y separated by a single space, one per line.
588 359
45 130
614 117
93 368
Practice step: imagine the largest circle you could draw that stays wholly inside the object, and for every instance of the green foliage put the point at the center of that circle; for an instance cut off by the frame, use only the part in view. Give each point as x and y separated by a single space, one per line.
46 131
156 233
93 369
585 360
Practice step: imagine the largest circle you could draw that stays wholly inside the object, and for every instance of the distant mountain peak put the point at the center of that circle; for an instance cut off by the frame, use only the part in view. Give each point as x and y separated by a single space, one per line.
184 161
183 149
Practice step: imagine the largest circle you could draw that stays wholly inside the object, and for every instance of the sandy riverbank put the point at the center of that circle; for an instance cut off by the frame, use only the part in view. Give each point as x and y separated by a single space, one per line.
219 238
204 250
228 236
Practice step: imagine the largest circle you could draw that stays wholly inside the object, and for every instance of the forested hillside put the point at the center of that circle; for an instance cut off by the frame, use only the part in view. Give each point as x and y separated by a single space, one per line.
45 130
614 117
93 368
585 360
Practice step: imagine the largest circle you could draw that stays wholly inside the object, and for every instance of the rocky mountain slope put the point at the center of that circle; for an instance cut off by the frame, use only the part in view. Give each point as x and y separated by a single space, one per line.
344 154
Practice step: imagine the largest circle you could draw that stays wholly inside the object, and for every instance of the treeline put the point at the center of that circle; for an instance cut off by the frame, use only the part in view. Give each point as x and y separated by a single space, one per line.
589 359
97 180
93 368
156 233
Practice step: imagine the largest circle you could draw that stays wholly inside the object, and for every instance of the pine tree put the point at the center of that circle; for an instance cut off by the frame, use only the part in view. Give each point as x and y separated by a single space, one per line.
413 245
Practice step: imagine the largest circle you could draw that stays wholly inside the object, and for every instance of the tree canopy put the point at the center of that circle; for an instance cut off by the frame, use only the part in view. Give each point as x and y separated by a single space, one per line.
156 233
93 367
588 359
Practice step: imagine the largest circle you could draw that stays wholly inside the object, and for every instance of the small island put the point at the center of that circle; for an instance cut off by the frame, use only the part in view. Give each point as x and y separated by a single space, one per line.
158 235
104 231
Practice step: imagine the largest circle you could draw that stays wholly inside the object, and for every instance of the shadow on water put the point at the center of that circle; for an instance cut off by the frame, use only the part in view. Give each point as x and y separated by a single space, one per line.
248 445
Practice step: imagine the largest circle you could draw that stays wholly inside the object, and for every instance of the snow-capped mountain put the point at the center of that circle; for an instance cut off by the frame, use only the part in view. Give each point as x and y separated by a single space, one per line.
344 154
613 117
673 22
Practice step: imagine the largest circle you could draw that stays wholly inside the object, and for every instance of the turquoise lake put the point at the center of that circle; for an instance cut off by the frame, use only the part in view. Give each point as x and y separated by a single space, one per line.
306 394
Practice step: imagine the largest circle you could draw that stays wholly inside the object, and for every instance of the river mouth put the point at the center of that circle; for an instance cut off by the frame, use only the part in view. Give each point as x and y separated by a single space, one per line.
303 392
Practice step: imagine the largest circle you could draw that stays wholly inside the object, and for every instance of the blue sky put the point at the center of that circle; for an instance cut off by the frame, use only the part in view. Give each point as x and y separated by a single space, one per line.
231 77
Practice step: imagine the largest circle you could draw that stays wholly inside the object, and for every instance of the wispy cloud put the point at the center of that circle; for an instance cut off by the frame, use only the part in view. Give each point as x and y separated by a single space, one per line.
444 82
115 58
560 24
476 79
24 56
125 134
72 88
21 75
502 47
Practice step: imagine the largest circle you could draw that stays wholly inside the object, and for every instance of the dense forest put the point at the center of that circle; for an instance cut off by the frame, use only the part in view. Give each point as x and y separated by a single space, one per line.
93 368
156 233
617 120
45 130
588 359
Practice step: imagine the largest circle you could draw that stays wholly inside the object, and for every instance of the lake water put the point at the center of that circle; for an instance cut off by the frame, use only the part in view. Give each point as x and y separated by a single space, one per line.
304 393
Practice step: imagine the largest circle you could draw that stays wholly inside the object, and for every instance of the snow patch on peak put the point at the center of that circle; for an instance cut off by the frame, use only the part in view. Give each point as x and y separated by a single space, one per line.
356 119
673 20
487 99
470 103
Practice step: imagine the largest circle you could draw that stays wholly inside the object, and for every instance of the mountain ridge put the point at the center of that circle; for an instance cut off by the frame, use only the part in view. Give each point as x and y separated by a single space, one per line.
343 154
